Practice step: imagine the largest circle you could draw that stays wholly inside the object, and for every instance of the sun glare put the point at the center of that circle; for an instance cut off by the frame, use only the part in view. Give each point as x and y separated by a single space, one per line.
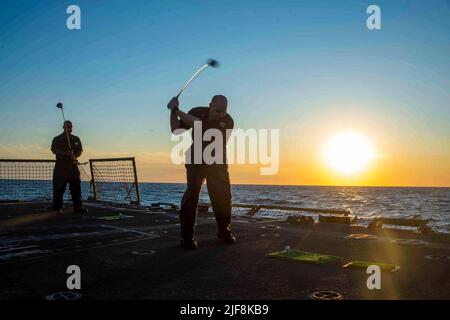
348 152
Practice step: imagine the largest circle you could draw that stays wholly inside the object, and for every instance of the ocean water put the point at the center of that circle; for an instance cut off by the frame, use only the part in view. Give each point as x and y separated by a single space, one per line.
365 202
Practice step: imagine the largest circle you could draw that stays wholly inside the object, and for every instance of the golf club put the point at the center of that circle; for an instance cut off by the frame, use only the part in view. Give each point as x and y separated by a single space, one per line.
210 63
59 105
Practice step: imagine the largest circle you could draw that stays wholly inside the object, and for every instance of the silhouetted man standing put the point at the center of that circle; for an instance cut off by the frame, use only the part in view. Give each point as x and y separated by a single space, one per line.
66 169
216 174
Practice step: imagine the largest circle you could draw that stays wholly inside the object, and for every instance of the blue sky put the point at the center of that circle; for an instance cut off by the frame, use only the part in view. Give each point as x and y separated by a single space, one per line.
284 64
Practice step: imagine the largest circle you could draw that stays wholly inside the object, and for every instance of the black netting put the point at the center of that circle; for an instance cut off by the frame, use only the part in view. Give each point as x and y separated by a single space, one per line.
115 180
27 180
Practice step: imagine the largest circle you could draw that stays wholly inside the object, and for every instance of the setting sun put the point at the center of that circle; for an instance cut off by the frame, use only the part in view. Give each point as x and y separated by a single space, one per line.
348 152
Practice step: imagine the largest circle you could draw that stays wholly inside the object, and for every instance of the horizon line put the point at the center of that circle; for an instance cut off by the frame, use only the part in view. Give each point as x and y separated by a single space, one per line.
314 185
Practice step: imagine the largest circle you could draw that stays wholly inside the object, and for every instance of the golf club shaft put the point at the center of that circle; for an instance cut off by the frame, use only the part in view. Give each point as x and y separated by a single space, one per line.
192 78
62 111
65 129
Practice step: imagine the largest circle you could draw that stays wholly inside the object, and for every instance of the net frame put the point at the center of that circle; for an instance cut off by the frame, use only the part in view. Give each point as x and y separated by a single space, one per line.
31 180
120 174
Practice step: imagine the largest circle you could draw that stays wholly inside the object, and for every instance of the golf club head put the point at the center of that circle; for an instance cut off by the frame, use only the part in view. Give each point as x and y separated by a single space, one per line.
59 105
213 63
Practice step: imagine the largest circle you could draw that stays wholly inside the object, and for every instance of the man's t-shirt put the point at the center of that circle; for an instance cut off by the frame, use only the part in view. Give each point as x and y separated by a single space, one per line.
60 143
222 125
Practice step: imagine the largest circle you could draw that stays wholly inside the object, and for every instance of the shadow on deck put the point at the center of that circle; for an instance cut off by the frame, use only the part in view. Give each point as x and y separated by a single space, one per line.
37 247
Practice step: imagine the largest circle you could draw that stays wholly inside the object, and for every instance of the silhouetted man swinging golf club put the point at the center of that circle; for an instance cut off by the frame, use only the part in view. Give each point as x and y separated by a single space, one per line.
216 174
67 149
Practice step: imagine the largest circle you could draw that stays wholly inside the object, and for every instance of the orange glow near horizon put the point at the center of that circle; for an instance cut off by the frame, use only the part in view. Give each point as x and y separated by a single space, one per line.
348 153
389 160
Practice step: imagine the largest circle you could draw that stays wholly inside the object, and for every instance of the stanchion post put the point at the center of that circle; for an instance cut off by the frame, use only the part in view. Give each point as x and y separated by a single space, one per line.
136 183
94 189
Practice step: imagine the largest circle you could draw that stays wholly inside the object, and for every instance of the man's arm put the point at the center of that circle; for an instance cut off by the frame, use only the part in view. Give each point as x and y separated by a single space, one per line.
79 150
55 149
60 152
174 121
229 130
176 116
187 118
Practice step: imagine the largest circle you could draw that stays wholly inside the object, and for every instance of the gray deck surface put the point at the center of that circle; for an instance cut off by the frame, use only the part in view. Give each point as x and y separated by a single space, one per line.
36 247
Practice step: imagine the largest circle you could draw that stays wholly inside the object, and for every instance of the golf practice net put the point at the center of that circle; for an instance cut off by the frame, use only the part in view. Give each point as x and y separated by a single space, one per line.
113 180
